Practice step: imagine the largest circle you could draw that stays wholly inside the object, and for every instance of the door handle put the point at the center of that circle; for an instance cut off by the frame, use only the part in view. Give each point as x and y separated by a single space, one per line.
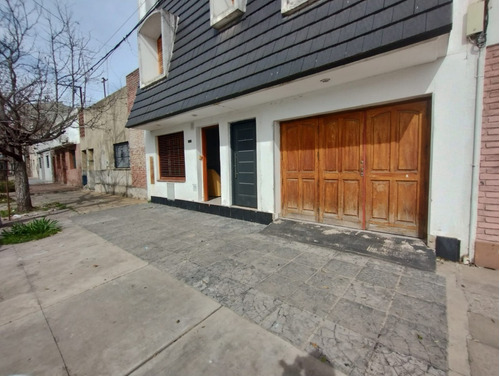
362 169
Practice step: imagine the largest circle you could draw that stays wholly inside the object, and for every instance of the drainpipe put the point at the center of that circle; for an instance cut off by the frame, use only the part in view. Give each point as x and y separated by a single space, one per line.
476 150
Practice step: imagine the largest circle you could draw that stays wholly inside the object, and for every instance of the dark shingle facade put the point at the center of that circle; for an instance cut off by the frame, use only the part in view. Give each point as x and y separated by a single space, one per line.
263 48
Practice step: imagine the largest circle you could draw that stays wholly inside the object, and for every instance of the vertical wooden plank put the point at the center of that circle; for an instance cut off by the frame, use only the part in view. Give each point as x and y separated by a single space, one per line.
151 170
159 49
408 133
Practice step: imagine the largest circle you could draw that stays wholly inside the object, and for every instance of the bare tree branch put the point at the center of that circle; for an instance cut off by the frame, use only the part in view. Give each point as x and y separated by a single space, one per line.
43 58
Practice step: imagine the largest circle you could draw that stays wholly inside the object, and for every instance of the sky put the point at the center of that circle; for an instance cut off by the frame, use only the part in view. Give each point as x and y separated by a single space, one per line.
106 22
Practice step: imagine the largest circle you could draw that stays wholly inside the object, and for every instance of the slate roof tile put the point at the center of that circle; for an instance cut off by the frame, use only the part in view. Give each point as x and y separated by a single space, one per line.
374 5
437 17
392 34
404 10
414 26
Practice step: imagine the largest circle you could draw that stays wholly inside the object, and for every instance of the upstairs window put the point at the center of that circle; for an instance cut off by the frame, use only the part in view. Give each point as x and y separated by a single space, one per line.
223 12
155 41
290 6
171 157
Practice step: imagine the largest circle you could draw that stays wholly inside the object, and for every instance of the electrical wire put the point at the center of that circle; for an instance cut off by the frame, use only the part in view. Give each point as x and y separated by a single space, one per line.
129 17
108 54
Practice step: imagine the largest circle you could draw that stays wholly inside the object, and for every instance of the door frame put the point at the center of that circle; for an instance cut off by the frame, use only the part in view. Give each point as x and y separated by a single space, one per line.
204 158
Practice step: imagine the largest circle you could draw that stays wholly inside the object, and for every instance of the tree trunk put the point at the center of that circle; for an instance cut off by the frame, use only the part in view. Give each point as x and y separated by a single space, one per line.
23 197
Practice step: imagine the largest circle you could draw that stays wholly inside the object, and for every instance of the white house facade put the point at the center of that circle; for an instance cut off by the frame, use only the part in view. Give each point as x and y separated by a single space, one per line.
378 139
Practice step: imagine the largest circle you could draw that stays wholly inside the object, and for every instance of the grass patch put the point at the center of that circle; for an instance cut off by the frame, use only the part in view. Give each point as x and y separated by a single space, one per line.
45 207
34 230
53 205
5 213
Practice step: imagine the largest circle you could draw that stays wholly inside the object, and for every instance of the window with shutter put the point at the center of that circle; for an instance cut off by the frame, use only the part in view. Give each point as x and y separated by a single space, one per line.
171 157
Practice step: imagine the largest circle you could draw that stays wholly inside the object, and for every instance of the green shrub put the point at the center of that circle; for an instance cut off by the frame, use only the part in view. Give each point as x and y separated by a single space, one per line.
34 230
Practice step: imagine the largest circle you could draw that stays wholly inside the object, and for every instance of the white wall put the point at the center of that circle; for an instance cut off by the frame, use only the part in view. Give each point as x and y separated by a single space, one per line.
450 81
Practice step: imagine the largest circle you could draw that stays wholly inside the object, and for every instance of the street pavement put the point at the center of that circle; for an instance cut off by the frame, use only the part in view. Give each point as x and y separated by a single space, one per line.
130 287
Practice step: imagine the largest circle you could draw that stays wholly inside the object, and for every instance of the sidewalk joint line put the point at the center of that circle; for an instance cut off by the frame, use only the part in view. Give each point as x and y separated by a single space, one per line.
43 312
163 348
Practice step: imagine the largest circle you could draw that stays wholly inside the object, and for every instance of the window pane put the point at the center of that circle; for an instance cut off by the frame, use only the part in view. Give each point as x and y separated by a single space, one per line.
122 158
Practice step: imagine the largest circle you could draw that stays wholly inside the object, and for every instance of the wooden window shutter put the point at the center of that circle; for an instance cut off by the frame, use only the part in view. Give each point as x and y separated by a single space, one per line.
171 156
159 47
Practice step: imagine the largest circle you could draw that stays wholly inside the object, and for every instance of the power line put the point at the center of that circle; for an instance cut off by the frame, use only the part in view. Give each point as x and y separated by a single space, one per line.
129 17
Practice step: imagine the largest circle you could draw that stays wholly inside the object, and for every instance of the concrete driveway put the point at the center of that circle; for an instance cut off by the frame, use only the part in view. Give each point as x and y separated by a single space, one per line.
140 288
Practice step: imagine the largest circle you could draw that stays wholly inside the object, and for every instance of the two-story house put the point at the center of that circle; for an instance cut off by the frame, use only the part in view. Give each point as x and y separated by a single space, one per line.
358 113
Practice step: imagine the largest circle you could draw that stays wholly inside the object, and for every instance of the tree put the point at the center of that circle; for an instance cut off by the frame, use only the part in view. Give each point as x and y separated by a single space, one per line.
43 59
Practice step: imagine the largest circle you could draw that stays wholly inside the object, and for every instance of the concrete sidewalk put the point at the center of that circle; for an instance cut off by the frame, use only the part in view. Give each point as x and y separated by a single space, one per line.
115 294
74 304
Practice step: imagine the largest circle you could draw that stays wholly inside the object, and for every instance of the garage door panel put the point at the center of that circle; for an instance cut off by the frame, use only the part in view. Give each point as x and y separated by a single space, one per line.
351 145
408 140
331 196
307 140
379 142
407 202
292 188
308 195
290 148
380 193
350 198
330 137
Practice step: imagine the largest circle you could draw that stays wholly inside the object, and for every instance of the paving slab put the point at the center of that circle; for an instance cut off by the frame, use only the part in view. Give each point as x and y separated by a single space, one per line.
483 329
72 262
243 348
16 296
483 359
114 328
28 348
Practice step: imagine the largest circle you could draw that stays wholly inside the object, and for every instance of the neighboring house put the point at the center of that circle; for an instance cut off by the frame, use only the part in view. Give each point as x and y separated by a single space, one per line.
355 113
58 161
113 158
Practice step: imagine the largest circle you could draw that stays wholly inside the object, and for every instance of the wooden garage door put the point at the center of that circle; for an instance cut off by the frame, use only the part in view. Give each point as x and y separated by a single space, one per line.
365 169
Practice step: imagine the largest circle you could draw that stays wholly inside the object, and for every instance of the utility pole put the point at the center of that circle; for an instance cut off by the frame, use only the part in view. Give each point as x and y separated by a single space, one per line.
104 86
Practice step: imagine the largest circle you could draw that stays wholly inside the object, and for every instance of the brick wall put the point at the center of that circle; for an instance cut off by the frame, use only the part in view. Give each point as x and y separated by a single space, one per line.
487 219
136 137
132 81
